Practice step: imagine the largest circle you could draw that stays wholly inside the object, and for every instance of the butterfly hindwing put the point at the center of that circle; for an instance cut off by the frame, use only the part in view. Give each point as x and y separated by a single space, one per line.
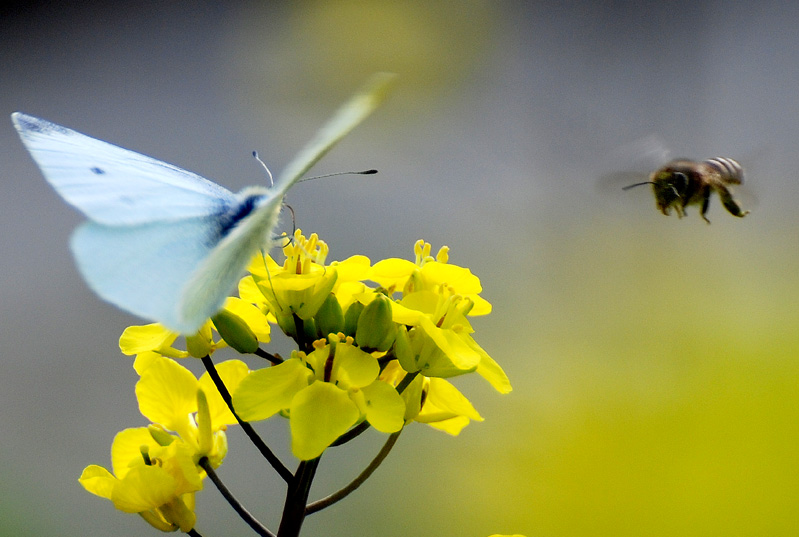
143 269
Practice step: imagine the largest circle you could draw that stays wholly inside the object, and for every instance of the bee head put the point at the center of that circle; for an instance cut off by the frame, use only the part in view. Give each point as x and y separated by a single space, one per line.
670 188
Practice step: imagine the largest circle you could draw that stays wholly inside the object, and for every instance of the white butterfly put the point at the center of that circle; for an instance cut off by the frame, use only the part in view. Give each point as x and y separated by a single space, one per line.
161 242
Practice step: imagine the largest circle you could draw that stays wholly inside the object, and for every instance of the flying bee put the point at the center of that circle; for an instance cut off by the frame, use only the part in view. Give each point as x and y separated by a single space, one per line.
686 182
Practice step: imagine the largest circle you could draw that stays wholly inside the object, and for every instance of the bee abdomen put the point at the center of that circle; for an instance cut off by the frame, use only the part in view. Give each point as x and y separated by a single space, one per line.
731 171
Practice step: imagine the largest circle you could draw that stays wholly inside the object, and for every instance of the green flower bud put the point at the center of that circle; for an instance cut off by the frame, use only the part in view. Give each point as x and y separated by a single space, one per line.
309 329
204 432
404 351
351 318
235 332
330 317
376 327
286 324
198 345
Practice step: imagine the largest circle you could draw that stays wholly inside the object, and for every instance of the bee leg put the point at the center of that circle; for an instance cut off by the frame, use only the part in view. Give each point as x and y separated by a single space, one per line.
705 205
730 203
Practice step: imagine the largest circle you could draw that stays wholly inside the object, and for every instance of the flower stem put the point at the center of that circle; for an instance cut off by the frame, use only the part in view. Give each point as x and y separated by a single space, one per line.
267 356
351 434
245 515
358 481
279 467
406 380
297 499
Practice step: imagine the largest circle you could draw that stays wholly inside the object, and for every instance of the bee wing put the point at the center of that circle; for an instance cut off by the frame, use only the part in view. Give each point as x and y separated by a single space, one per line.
647 153
632 163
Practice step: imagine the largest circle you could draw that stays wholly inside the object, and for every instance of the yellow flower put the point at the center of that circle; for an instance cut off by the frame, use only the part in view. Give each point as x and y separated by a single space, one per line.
429 273
436 299
303 284
433 401
323 393
157 482
156 469
169 395
300 286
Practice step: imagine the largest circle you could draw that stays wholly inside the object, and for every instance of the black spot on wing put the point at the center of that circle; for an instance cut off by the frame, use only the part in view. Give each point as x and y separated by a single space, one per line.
97 171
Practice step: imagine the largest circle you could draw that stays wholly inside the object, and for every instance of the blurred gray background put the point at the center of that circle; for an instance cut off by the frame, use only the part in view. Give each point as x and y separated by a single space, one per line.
655 360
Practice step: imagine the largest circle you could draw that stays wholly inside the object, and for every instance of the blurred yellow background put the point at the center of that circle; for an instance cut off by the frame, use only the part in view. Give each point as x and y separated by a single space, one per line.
655 361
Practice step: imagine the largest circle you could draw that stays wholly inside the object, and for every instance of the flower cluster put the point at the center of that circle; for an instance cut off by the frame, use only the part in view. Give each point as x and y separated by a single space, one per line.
358 342
375 347
156 469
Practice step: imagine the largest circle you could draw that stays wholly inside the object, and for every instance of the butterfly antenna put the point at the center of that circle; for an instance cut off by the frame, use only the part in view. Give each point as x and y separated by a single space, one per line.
271 181
293 223
628 187
269 278
365 172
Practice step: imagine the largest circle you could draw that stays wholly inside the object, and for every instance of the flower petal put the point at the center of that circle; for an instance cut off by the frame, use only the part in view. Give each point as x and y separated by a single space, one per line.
385 408
167 394
264 392
127 447
353 367
319 414
98 481
150 337
142 489
231 372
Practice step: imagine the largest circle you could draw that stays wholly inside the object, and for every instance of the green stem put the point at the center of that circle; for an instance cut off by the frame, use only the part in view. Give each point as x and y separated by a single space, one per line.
297 499
358 481
279 467
245 515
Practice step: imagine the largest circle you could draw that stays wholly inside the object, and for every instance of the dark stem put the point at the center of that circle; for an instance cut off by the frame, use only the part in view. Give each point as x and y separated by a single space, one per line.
405 382
297 499
245 515
267 356
299 328
358 481
352 433
193 533
284 472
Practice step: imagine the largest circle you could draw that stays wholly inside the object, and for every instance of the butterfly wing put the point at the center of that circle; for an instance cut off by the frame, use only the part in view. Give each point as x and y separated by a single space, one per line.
115 186
346 118
164 243
142 269
219 273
